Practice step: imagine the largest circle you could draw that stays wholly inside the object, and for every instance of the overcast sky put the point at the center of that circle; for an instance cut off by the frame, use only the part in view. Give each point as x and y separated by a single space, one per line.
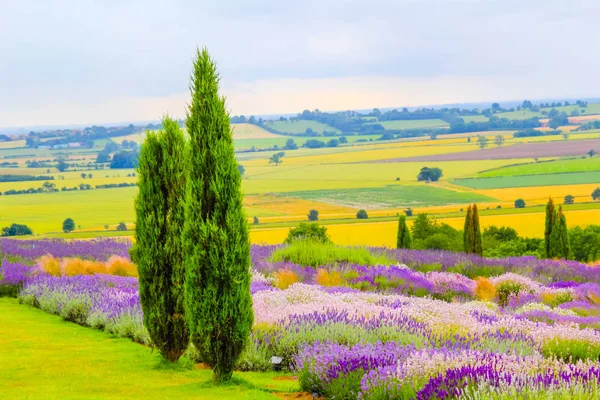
80 61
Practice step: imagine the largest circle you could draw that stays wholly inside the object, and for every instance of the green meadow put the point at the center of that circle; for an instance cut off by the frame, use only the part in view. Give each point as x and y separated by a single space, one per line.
545 167
572 178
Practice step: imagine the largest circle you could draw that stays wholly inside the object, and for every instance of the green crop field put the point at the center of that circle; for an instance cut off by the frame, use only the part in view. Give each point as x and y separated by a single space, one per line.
413 124
300 126
548 167
592 108
521 114
391 196
573 178
45 357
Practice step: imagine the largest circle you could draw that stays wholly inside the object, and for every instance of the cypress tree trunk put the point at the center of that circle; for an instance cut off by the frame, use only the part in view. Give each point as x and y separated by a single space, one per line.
476 228
216 242
404 239
467 232
157 252
550 217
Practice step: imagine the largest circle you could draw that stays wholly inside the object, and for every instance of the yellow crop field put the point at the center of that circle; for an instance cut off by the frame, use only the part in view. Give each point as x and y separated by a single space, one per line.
249 131
134 137
539 194
291 206
13 144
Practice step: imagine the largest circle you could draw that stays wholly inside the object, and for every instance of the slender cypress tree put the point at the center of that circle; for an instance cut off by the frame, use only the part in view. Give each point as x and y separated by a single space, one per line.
550 218
559 238
468 231
158 251
404 239
476 228
215 235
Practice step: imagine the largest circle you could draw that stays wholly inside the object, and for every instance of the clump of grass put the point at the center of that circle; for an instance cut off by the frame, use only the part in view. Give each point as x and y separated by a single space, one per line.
285 278
484 289
309 253
116 265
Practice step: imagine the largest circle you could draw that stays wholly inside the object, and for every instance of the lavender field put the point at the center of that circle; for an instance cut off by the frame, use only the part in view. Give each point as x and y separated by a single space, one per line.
431 325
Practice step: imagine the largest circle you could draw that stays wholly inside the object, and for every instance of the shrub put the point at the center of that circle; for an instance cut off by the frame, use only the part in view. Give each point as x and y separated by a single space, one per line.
569 199
16 230
519 203
120 266
484 289
50 265
68 225
285 278
362 214
507 289
122 227
327 278
256 222
312 253
304 231
313 215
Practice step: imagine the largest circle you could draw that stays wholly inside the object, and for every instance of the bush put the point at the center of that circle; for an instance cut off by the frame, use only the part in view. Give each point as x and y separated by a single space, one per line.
68 225
305 231
310 253
122 227
313 215
16 230
519 203
569 199
429 174
256 221
362 214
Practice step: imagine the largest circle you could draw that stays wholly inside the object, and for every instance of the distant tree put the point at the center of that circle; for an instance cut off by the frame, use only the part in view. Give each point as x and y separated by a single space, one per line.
106 226
408 212
591 153
472 232
596 194
362 214
313 215
16 230
559 238
404 237
482 141
499 140
343 140
569 199
290 144
90 176
83 175
495 107
68 225
121 227
256 222
554 124
423 226
519 203
314 144
276 158
124 159
502 234
61 164
103 157
308 231
333 143
549 225
565 135
241 169
429 174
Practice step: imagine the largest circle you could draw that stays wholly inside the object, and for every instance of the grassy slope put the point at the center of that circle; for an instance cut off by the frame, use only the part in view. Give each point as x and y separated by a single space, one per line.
300 126
44 357
573 178
558 166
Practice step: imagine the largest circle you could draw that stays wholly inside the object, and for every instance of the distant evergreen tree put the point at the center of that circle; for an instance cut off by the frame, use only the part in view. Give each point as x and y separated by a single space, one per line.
559 238
472 232
477 244
550 217
467 230
158 251
404 238
215 235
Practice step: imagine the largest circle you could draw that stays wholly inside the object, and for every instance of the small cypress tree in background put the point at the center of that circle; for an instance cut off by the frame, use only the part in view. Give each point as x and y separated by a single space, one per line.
158 249
550 218
404 239
559 238
216 240
476 228
468 231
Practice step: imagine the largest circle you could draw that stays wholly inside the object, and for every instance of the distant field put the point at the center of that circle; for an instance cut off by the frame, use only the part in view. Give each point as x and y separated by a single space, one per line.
573 178
522 114
592 108
474 118
391 196
12 144
413 124
250 131
279 140
539 194
548 167
300 126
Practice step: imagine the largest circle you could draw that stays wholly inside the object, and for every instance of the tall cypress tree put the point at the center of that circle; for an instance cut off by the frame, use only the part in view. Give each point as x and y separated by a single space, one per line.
215 235
550 218
158 253
476 228
404 239
468 231
559 238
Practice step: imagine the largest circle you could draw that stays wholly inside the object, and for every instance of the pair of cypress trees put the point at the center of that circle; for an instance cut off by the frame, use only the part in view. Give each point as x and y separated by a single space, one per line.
192 243
556 235
472 232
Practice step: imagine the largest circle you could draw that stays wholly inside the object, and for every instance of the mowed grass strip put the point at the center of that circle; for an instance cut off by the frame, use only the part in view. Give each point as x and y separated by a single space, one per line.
391 196
547 167
44 357
572 178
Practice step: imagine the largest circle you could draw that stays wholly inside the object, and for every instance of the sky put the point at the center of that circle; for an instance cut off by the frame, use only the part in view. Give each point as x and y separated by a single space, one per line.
82 62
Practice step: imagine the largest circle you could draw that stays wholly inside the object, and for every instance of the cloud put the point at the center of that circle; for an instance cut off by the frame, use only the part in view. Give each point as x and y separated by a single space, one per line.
86 60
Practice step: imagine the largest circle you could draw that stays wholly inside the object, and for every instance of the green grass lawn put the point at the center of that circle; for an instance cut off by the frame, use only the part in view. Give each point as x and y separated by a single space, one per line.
573 178
548 167
300 126
413 124
44 357
391 196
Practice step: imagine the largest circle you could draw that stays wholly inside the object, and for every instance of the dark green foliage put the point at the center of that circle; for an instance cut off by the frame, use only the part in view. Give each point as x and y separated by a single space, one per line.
241 169
408 212
103 157
429 234
429 174
472 232
404 238
68 225
569 199
122 227
158 250
550 219
559 238
596 194
215 235
313 215
277 158
290 144
585 243
62 165
502 233
423 226
256 222
362 214
519 203
16 230
306 231
124 159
